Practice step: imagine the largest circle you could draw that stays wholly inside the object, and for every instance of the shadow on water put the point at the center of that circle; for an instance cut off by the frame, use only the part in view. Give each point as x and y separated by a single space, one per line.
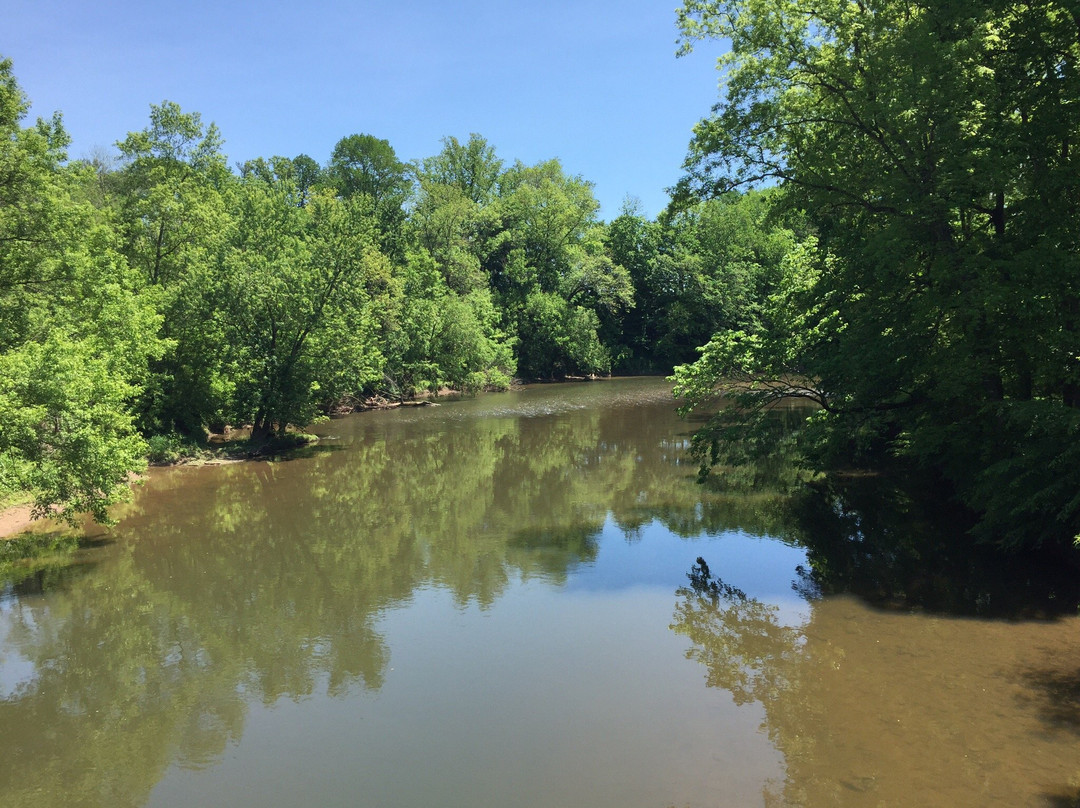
879 706
894 540
897 546
303 452
1056 694
558 550
40 579
930 669
1069 798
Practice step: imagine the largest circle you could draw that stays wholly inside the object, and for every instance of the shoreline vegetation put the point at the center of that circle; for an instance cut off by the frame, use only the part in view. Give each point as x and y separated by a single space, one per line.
233 445
920 290
165 293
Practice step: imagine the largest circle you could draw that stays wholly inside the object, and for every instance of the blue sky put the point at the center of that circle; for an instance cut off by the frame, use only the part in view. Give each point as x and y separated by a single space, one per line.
592 82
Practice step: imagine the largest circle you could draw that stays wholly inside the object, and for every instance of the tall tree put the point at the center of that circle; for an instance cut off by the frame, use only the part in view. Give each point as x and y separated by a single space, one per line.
173 200
454 217
550 270
74 335
471 167
365 164
300 291
171 191
931 145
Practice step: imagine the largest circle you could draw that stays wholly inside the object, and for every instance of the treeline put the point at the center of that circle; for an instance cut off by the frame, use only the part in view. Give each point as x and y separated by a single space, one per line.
161 291
912 268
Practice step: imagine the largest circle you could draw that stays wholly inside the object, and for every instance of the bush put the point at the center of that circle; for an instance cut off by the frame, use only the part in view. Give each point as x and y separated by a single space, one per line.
164 449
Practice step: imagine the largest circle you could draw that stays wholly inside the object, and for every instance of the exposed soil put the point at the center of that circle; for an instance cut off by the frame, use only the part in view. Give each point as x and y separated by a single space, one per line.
17 519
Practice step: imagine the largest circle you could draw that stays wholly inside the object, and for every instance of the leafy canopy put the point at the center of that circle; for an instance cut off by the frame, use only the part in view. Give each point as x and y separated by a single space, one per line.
930 145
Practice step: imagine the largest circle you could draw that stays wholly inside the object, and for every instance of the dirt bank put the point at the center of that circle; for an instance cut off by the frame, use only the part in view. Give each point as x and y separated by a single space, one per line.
17 519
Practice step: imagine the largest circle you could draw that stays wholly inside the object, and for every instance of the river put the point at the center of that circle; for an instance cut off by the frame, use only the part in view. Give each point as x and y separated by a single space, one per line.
497 602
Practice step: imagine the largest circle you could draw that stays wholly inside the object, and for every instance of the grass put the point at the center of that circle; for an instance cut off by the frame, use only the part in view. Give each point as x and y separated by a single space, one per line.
13 499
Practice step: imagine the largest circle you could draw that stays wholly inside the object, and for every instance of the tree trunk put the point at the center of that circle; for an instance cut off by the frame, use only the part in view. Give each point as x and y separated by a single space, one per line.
261 429
1070 395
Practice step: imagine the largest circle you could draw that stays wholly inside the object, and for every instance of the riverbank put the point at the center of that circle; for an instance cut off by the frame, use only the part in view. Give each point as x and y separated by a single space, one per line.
233 446
16 520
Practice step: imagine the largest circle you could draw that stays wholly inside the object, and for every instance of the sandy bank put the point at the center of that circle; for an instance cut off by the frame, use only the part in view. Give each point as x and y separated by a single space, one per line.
17 519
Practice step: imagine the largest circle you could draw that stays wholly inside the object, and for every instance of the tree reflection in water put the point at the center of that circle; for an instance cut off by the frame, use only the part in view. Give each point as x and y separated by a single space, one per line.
896 545
237 585
889 693
741 641
258 582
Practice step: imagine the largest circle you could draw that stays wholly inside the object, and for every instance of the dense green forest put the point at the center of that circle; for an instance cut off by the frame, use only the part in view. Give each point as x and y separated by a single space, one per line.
161 292
881 217
933 314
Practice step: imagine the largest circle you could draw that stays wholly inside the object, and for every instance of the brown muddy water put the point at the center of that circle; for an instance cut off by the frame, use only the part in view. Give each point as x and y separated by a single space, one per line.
495 602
